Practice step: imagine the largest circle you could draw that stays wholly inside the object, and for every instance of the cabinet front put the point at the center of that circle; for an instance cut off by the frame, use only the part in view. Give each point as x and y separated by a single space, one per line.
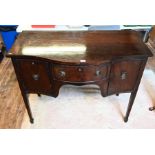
123 76
34 76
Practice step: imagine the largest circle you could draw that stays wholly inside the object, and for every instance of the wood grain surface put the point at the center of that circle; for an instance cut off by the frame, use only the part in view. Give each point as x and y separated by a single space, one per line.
94 47
11 103
35 53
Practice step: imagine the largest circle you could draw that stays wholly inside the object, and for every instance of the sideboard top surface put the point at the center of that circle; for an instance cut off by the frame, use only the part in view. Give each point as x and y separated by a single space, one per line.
80 46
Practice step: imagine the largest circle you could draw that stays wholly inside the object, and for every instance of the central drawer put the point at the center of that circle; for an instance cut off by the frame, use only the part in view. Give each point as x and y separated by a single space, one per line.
79 73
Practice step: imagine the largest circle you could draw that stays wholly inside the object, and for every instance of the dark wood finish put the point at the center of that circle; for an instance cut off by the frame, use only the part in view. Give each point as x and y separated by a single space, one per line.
134 90
39 95
152 108
123 76
113 60
96 47
23 90
81 73
34 76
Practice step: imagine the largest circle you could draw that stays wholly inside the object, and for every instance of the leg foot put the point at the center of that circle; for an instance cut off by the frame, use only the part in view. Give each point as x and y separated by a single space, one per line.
134 92
151 108
125 119
32 120
39 95
117 94
26 101
131 101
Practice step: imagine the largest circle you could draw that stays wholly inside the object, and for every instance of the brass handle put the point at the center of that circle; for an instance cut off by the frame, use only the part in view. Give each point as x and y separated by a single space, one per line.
124 75
35 77
98 73
62 73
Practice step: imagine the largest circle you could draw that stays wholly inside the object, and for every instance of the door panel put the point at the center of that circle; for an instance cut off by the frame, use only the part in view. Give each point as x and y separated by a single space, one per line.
34 75
123 76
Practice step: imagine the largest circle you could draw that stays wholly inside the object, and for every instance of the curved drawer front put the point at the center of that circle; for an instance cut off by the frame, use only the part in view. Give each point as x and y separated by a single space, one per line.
80 73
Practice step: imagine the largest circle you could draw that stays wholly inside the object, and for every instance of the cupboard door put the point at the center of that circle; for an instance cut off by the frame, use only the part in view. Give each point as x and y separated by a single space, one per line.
123 76
34 75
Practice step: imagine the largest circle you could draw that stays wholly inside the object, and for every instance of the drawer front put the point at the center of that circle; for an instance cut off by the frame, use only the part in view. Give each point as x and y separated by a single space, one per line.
34 75
123 76
79 73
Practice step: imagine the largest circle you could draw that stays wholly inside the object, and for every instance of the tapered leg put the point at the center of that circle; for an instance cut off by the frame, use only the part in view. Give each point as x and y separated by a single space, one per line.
133 94
131 101
39 95
26 102
24 94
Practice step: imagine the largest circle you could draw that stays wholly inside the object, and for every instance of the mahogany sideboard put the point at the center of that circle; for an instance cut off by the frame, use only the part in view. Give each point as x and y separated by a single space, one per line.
45 60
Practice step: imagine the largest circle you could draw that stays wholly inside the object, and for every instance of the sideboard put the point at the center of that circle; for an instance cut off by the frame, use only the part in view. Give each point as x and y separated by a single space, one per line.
113 60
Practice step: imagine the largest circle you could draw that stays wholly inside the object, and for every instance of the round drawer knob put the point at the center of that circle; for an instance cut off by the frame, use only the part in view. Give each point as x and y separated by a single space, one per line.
35 77
80 69
62 74
123 75
98 73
